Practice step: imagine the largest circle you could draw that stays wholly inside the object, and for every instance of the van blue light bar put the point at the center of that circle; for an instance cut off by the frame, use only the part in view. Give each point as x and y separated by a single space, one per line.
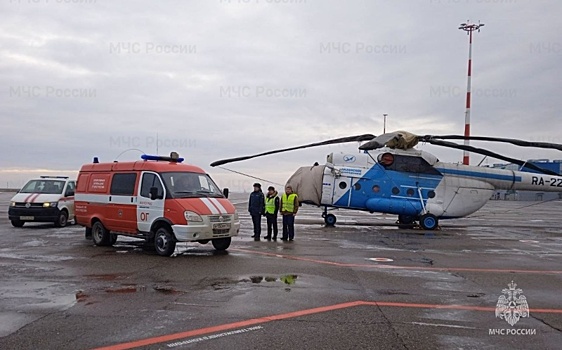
162 158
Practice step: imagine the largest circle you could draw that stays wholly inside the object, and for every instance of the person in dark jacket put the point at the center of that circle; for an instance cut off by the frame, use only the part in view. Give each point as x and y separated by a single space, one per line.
271 210
256 207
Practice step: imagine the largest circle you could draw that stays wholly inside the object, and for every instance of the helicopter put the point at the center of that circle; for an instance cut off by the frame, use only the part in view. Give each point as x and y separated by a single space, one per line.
391 176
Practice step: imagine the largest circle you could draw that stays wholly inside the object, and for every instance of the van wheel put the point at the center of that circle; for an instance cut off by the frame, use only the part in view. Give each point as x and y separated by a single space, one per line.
17 223
62 220
100 235
221 243
164 242
112 239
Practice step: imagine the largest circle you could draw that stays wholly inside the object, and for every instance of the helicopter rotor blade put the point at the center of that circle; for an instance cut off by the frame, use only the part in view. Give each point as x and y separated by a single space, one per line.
356 138
516 142
486 152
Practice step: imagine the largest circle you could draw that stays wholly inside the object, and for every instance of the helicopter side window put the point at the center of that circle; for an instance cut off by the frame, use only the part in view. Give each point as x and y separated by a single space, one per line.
343 185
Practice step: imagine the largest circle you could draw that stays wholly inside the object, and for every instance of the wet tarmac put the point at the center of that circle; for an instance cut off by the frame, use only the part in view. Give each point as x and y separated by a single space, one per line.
363 284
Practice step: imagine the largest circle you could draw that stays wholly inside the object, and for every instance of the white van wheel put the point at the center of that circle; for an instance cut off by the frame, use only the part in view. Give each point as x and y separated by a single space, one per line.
164 242
62 220
17 223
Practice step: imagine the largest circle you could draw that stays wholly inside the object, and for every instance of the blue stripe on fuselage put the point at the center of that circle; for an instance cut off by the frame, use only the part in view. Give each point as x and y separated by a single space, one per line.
476 174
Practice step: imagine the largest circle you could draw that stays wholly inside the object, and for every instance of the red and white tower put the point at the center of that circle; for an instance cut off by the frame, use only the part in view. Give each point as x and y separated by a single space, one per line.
468 28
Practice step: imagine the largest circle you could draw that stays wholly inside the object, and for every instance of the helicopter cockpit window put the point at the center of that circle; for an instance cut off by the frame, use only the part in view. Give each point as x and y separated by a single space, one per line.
386 159
407 164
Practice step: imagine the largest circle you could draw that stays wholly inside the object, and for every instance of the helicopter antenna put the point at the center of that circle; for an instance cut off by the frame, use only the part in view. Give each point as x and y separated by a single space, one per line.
253 177
127 150
482 161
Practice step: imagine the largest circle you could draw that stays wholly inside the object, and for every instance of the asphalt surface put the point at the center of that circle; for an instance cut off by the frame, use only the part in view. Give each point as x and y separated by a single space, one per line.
364 284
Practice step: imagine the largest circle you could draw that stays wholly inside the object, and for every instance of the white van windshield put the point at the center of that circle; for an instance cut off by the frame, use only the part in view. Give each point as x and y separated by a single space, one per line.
185 184
43 186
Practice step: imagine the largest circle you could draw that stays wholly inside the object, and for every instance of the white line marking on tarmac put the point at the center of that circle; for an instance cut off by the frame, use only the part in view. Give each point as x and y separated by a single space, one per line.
441 325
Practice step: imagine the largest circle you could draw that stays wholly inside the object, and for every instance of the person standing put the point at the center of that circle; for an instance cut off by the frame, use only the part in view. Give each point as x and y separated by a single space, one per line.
289 208
271 210
256 207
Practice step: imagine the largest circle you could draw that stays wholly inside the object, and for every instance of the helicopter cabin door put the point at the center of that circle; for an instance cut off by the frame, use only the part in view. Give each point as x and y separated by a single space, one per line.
342 193
327 187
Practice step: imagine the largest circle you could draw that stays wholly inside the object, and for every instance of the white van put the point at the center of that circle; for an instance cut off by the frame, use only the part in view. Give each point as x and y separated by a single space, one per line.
46 199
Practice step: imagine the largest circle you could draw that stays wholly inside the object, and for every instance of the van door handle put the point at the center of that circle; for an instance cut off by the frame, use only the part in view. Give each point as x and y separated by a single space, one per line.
110 198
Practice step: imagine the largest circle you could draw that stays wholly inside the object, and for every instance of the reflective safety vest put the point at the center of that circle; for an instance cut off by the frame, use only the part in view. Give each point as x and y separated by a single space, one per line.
270 205
289 202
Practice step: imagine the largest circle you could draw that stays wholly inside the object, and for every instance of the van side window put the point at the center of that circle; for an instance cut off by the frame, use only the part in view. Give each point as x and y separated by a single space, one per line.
151 180
123 184
70 188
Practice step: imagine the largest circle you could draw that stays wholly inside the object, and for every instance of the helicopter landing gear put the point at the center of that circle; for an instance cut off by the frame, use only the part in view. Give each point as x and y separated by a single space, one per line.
428 221
406 221
329 219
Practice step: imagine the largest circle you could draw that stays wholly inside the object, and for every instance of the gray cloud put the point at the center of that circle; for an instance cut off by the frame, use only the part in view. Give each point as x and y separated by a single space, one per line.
216 79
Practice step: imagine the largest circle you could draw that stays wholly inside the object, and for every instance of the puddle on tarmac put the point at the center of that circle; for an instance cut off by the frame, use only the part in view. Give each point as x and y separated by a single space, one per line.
133 288
216 284
105 277
126 289
287 279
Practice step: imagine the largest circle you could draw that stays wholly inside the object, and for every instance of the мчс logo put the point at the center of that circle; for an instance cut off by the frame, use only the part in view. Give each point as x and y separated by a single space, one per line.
512 304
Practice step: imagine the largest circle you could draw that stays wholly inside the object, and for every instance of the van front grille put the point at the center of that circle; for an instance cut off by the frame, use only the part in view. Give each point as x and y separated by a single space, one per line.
220 218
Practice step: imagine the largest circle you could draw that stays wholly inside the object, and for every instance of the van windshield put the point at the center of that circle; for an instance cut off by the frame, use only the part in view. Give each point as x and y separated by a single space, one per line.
189 185
43 186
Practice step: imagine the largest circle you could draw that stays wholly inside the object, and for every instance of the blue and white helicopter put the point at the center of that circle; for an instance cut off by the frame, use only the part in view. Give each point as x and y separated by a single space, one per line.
393 177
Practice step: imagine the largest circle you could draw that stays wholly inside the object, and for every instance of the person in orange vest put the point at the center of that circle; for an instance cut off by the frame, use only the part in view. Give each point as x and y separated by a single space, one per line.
289 207
271 210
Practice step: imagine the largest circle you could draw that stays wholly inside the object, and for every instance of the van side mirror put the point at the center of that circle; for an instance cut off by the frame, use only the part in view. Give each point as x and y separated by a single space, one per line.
69 193
225 192
154 193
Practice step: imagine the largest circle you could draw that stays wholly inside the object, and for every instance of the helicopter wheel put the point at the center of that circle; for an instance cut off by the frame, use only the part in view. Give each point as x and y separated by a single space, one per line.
428 221
330 220
406 221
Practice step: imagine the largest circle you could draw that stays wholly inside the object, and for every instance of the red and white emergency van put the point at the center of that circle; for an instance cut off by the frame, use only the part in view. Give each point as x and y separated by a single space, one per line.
158 199
46 199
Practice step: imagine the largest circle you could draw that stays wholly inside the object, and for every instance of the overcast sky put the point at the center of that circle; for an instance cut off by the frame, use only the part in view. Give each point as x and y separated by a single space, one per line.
213 79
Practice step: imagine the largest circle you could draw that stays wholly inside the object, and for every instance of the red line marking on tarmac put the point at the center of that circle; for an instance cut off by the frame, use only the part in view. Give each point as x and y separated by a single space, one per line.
381 266
253 321
224 327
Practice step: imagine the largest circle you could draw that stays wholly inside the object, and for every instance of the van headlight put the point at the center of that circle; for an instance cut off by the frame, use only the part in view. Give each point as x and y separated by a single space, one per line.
50 204
192 216
12 204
